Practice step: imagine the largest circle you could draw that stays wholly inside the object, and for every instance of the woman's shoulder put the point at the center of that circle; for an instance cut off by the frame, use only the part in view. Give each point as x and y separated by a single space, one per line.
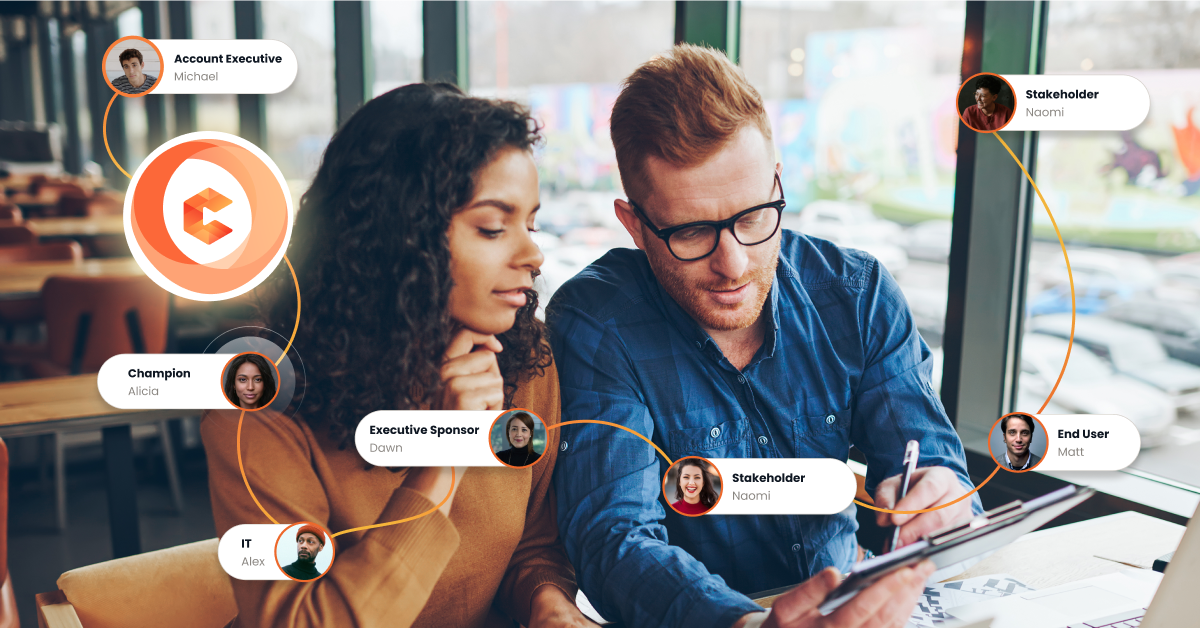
265 431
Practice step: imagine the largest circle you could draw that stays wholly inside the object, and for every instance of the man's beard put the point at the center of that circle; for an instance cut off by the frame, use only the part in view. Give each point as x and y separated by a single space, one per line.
310 559
696 302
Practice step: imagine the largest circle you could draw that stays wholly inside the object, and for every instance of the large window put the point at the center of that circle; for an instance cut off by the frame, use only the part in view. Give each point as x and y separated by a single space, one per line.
77 46
1128 205
301 118
396 44
214 112
861 99
136 127
566 60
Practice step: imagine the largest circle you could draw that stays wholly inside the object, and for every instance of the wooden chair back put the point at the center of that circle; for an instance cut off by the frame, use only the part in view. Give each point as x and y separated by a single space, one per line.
55 251
91 319
17 234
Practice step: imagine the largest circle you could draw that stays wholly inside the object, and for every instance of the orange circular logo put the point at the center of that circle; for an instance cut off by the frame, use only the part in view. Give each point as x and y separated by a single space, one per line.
208 216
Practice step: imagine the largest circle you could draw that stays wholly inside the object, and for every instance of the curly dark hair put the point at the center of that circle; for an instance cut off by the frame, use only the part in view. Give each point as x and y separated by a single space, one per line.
372 255
264 367
708 493
990 83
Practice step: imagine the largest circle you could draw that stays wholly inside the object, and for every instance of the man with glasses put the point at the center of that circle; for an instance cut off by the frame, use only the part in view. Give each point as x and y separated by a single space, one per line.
724 336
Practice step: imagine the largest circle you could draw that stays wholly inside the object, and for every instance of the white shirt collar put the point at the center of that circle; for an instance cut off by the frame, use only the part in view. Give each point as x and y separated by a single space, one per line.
1007 461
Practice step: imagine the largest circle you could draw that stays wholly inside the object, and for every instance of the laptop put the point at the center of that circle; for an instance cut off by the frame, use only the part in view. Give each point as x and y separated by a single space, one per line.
1116 600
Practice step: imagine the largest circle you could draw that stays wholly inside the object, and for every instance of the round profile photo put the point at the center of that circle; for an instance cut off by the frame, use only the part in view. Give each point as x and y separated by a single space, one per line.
692 486
518 438
132 66
986 102
304 551
250 381
1018 442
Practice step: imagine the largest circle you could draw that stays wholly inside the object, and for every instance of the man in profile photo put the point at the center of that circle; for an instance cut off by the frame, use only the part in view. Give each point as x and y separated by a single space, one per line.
310 540
1018 436
987 114
134 81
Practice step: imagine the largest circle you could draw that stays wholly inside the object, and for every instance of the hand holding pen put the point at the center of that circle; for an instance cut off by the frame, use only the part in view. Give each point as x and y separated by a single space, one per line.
927 487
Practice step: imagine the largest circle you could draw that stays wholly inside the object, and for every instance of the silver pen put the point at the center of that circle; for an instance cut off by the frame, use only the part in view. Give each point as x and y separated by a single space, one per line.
912 451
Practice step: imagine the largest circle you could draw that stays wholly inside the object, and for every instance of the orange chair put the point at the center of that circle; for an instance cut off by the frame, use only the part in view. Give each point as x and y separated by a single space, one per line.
8 601
110 308
89 320
60 251
16 235
73 200
15 312
106 203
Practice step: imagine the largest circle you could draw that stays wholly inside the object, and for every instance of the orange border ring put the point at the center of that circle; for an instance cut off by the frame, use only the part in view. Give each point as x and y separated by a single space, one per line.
510 411
959 97
675 464
162 66
1005 467
332 548
278 382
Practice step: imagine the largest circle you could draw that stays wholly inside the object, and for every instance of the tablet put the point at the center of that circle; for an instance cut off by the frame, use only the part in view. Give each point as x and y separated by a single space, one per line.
982 534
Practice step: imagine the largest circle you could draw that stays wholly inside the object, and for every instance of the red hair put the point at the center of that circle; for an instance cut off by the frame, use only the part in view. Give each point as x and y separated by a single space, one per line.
682 108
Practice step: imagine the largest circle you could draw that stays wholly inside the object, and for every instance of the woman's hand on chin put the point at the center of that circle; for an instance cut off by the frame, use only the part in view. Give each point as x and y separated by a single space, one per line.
553 609
470 373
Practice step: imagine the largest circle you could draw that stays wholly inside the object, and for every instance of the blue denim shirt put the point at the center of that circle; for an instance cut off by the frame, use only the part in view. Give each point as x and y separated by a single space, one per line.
841 364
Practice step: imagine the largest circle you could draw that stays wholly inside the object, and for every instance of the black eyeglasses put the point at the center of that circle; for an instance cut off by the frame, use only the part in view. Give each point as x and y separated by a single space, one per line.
697 240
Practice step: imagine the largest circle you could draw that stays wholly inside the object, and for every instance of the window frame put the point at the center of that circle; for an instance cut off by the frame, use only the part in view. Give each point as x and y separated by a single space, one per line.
989 267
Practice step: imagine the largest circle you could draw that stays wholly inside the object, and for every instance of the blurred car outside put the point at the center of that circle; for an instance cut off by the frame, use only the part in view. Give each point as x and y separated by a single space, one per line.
852 224
1106 271
1176 325
564 212
1132 351
1090 385
1026 401
1090 298
1180 277
929 240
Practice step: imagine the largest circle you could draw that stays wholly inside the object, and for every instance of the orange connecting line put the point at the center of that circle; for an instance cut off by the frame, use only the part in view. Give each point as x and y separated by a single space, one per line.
104 132
620 427
337 534
1070 341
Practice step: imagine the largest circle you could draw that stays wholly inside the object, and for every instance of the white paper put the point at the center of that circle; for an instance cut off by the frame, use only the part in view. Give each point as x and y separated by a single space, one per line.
935 600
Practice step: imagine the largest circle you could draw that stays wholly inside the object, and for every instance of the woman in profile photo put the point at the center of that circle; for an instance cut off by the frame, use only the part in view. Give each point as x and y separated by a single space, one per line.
415 251
987 114
249 381
695 488
518 430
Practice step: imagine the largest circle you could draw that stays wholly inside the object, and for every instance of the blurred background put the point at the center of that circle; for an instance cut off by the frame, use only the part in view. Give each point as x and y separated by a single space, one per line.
861 98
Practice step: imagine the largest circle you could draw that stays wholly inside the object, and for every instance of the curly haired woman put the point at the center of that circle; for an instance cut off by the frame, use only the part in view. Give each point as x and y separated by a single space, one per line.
416 266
